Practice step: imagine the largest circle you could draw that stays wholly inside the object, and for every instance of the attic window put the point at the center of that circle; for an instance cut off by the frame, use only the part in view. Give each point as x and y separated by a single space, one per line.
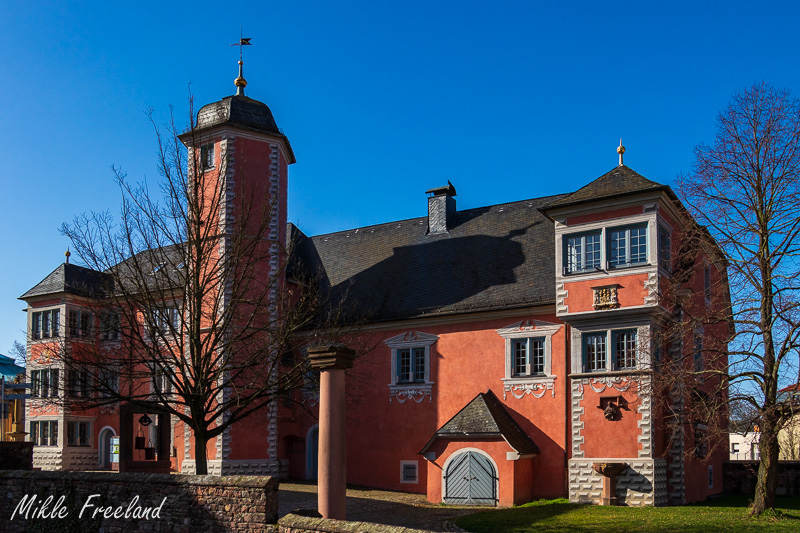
158 267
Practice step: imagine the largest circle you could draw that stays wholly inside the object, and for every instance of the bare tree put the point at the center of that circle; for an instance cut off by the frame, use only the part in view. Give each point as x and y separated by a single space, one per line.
196 316
744 189
18 353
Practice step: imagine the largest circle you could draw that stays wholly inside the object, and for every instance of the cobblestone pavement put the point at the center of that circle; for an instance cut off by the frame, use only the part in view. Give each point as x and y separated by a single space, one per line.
378 506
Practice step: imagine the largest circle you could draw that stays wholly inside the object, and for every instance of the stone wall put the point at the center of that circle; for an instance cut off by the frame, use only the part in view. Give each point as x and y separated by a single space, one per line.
644 482
739 477
16 455
173 503
292 523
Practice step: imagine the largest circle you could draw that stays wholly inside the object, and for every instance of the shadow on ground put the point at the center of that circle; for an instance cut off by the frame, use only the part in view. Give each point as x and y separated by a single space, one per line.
378 506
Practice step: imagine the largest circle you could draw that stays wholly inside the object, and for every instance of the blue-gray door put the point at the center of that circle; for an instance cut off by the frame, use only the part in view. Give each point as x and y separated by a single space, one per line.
470 479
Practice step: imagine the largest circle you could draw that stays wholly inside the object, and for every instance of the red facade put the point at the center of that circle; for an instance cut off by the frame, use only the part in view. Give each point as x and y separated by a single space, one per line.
513 346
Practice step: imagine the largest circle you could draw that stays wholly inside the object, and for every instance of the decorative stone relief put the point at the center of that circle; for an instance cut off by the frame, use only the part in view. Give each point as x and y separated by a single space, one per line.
535 389
651 286
601 383
606 297
561 299
402 395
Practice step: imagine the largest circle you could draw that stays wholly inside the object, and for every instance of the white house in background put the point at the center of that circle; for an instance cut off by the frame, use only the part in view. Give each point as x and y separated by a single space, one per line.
744 446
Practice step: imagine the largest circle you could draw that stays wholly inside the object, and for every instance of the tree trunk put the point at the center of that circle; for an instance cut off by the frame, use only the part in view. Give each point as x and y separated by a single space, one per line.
767 481
200 461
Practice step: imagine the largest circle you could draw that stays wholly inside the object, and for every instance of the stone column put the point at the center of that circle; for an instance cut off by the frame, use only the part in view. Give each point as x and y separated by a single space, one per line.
331 361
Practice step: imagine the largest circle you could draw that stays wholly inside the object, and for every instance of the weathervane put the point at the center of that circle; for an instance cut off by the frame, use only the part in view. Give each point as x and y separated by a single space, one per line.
240 82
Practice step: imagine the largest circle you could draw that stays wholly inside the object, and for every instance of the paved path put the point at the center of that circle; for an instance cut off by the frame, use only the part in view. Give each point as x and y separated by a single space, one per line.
378 506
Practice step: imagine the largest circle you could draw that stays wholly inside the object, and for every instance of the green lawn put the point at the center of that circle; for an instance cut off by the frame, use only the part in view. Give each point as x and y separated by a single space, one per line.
723 514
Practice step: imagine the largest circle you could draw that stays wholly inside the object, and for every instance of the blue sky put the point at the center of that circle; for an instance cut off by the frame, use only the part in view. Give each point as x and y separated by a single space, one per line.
381 100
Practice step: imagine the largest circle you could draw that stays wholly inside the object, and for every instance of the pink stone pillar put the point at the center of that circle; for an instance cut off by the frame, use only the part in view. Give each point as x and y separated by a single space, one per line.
331 361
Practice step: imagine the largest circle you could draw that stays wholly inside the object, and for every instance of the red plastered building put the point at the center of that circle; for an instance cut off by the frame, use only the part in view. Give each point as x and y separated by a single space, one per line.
512 344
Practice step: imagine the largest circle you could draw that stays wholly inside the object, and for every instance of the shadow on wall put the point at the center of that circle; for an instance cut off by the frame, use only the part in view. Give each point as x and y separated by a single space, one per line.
632 481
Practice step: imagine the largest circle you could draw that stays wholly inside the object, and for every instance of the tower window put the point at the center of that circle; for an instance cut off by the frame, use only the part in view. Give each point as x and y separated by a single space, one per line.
207 156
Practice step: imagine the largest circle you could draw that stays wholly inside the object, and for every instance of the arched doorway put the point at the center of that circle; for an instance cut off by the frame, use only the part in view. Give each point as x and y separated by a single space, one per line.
312 451
470 478
104 447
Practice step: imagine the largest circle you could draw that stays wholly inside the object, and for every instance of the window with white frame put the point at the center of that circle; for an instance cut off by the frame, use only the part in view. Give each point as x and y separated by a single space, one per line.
46 324
624 343
528 358
161 383
44 432
79 323
78 433
594 351
107 382
109 326
610 350
79 384
627 246
44 383
207 156
582 252
164 320
411 363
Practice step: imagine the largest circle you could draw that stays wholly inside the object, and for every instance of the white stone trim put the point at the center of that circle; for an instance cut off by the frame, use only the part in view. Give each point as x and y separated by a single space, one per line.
417 391
534 385
643 483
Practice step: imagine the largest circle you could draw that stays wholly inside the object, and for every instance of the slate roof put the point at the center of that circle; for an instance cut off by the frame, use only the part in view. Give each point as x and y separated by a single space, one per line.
485 417
72 279
495 257
620 181
8 369
240 111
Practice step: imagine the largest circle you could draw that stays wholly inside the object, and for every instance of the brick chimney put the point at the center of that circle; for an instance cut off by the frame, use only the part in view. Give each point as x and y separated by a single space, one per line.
441 208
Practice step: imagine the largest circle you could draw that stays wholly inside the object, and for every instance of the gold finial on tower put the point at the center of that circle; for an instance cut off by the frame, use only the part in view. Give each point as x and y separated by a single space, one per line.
620 151
66 255
240 82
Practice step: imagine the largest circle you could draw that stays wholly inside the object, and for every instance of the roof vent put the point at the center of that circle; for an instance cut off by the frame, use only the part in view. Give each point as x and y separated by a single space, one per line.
441 208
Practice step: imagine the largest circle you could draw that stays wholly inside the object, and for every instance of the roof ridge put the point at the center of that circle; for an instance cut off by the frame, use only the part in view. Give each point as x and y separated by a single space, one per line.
425 217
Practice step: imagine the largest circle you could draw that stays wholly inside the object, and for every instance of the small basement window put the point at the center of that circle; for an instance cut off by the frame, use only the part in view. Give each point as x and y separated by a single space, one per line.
409 471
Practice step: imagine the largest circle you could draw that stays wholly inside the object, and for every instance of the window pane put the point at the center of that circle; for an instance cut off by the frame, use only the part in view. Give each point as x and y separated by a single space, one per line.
54 433
618 247
627 246
638 250
404 366
582 252
625 349
595 352
520 348
419 365
56 319
537 356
